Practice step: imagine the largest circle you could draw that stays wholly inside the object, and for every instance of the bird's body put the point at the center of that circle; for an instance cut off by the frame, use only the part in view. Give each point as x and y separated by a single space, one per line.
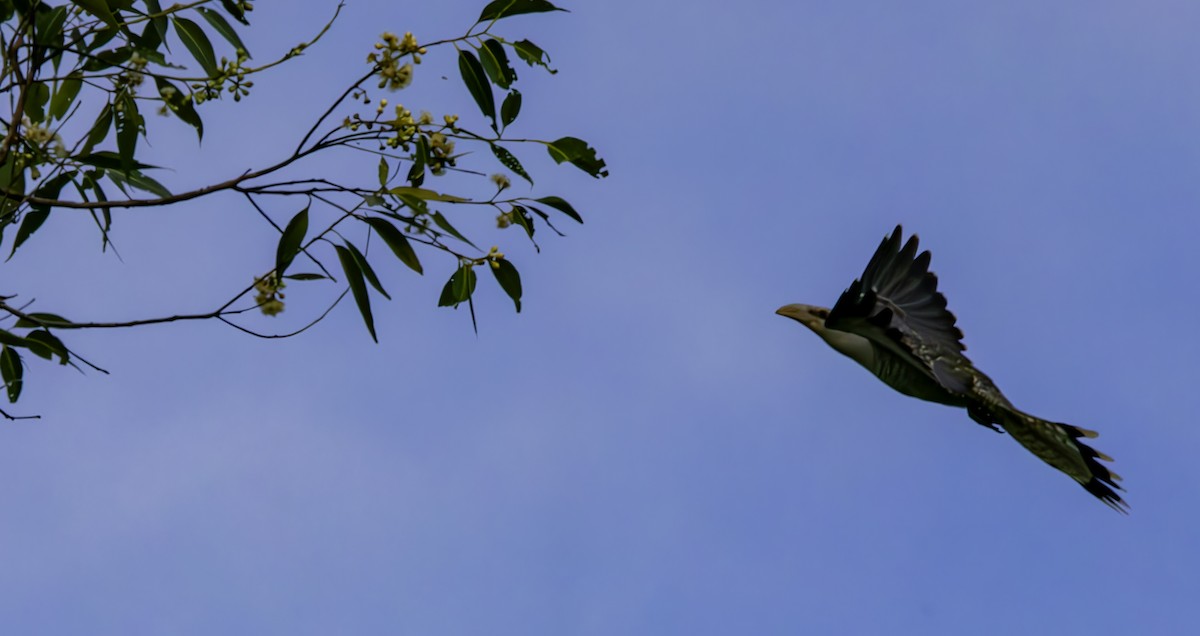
894 322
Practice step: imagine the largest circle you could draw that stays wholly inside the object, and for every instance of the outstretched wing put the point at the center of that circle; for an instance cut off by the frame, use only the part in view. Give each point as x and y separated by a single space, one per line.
896 304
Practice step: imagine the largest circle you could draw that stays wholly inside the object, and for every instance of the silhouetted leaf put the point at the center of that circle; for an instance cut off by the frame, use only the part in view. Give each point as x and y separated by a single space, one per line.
129 124
197 44
367 270
99 130
235 11
42 319
11 371
475 79
396 240
33 219
357 287
416 174
510 108
48 26
510 161
459 288
444 223
139 181
290 241
109 160
505 8
495 63
510 281
46 345
222 27
65 95
98 8
11 339
558 203
532 54
577 152
428 195
181 104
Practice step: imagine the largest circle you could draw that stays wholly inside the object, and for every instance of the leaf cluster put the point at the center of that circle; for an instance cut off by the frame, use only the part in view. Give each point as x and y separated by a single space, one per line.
98 67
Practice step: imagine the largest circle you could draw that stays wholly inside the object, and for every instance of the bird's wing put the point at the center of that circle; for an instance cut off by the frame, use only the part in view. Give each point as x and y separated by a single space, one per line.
896 304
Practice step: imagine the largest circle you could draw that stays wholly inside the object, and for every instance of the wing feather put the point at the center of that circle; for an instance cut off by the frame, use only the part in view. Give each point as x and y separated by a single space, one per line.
896 304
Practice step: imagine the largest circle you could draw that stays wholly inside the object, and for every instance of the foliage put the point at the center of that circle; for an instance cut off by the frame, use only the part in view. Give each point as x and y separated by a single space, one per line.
97 67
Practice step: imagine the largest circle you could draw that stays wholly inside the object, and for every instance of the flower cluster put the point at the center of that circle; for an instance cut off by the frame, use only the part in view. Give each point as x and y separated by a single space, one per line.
233 73
392 74
493 256
41 138
268 296
441 153
132 76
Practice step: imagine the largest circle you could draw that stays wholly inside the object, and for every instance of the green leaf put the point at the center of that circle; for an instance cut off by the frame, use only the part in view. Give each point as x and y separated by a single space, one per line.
48 27
68 89
495 63
42 320
139 181
418 206
426 195
34 218
577 152
98 8
181 104
558 203
11 371
505 8
159 23
235 11
533 54
443 223
222 27
510 108
106 60
459 288
9 339
510 281
35 102
510 161
383 172
99 130
396 240
290 241
357 287
128 123
521 218
416 174
12 179
367 271
197 44
110 160
545 217
46 345
305 276
476 81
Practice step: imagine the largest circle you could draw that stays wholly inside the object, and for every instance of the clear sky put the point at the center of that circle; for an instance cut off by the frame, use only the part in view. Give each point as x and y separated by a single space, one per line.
647 448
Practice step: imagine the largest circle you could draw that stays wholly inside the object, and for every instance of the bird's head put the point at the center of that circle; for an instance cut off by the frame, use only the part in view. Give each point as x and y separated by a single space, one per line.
807 315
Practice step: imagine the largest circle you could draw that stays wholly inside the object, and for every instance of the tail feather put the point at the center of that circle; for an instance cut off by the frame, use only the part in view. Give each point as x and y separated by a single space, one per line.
1059 445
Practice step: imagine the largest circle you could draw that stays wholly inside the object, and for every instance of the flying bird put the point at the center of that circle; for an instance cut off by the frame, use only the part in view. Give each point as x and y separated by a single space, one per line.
894 322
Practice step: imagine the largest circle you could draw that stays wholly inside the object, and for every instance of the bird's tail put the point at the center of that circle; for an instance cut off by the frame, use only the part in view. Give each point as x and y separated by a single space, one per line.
1059 445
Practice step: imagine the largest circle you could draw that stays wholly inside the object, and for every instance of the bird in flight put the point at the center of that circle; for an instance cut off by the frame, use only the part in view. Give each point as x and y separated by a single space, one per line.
894 322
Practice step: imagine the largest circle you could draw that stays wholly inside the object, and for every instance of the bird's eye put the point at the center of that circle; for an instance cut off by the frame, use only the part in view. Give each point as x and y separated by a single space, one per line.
821 313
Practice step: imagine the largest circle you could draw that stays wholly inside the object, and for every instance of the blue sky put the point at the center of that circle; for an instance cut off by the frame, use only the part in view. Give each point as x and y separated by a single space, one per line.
647 448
